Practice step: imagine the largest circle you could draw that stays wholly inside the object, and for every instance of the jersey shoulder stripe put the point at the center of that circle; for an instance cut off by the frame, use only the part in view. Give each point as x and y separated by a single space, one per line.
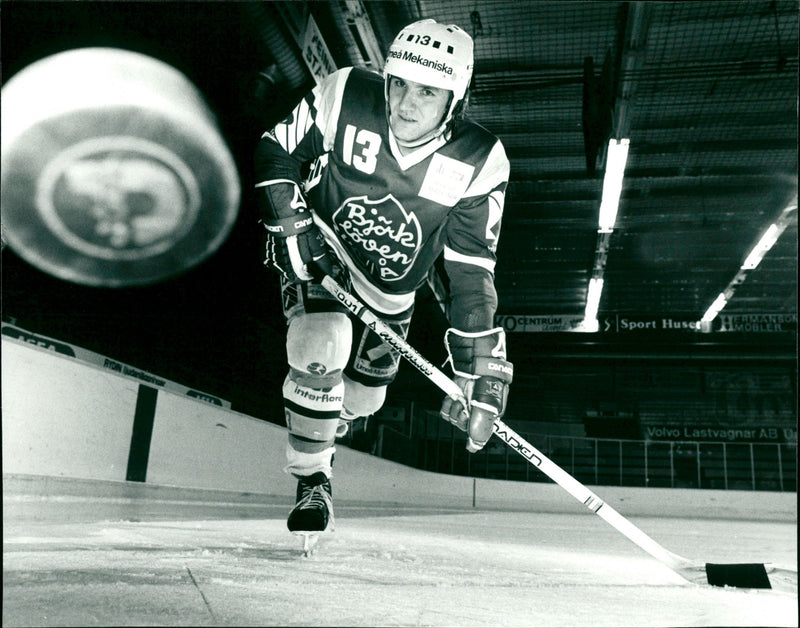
291 131
473 144
328 96
495 171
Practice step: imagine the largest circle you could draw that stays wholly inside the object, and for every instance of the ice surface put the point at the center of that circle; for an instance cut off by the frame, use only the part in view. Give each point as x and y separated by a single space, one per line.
468 568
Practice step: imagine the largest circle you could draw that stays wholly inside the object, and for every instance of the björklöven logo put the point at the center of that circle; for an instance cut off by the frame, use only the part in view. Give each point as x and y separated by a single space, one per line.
381 234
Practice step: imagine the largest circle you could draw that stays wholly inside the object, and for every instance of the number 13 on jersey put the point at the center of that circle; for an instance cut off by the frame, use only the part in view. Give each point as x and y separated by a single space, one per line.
361 148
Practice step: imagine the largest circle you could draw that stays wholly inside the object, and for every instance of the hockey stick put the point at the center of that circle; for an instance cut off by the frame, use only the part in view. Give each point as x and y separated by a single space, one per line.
746 575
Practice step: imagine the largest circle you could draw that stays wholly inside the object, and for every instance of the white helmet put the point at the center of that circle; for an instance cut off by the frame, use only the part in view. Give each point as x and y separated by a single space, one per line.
439 55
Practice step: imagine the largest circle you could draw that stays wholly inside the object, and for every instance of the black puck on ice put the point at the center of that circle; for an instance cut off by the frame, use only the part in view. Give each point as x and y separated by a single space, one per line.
744 576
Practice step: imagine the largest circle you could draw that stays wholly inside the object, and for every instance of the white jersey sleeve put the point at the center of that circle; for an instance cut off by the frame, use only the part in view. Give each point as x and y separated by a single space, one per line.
317 114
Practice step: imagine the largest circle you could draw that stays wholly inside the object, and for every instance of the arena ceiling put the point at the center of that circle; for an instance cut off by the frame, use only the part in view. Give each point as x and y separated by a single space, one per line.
706 93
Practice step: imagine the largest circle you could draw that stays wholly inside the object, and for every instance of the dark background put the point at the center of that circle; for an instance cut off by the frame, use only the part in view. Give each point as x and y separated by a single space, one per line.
218 327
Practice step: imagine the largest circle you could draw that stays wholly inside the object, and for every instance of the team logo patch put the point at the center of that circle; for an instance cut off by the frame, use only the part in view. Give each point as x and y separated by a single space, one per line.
380 234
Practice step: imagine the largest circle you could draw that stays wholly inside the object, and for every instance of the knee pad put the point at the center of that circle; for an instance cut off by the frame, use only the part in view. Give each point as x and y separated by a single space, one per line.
318 347
361 400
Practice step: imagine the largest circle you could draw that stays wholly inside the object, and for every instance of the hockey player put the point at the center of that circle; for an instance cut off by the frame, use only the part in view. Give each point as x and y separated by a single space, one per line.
378 176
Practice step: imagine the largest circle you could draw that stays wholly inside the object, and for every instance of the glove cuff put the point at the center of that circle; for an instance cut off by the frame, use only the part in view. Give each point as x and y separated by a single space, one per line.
494 367
290 225
479 354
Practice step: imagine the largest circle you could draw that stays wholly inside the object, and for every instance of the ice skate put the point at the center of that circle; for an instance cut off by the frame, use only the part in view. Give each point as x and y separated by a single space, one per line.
312 515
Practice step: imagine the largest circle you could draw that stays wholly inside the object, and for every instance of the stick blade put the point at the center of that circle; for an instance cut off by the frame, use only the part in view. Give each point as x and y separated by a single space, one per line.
743 575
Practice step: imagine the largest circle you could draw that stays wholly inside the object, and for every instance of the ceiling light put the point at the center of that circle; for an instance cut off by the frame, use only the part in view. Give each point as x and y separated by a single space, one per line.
766 242
753 259
589 326
716 307
616 159
593 299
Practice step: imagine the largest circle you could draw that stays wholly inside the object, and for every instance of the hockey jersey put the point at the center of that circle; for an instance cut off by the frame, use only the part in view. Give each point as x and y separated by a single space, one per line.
388 216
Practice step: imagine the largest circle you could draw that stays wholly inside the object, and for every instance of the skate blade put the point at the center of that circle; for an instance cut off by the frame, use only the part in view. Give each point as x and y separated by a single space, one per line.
310 540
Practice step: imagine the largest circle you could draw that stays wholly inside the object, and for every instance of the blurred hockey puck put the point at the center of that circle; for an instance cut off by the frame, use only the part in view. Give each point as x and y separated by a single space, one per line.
113 170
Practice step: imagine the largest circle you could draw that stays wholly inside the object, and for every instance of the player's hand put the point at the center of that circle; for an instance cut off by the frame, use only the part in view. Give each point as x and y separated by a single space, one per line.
294 242
484 375
293 245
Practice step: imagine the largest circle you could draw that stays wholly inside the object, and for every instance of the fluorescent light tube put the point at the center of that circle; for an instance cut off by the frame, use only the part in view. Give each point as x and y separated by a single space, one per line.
716 307
593 298
590 326
766 242
616 158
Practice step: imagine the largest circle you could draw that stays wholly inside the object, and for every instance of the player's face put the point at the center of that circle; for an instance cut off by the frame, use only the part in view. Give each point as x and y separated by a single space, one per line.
415 109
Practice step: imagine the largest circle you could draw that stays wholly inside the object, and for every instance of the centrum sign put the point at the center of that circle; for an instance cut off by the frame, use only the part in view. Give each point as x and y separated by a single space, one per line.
742 323
526 323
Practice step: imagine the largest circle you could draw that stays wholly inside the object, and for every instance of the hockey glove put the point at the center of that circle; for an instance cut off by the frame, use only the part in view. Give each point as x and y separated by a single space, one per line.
483 373
293 240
